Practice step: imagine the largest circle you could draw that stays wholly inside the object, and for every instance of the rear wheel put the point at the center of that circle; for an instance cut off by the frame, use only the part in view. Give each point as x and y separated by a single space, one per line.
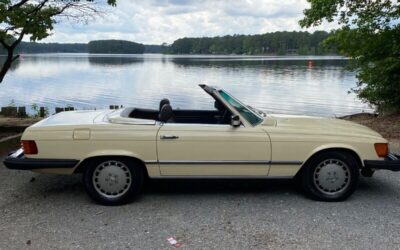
331 176
113 181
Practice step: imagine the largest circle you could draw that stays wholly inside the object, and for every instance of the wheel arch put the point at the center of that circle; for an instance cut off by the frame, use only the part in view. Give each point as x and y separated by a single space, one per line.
342 148
84 163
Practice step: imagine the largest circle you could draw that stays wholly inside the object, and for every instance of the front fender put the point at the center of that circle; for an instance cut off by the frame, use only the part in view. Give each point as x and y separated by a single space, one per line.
332 146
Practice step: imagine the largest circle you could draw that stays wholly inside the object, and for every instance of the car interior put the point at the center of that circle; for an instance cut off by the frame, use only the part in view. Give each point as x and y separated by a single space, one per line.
166 114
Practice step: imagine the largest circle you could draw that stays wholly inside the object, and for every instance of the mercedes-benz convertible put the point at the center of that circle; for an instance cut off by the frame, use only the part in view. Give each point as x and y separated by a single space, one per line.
117 150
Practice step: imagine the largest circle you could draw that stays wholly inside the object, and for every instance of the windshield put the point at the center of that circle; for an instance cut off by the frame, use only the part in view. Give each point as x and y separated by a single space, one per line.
251 116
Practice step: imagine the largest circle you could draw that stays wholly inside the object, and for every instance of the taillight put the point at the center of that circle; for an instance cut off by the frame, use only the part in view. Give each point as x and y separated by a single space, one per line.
382 149
29 147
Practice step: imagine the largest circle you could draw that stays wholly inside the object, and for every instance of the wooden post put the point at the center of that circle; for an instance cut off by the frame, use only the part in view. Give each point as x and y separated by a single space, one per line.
9 111
42 112
69 109
58 110
21 111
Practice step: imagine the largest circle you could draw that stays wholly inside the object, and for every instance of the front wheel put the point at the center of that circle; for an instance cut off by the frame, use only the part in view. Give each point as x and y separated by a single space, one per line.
331 176
113 181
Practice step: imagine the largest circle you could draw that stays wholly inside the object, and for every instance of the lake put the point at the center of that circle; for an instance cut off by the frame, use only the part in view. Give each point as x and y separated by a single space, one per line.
276 84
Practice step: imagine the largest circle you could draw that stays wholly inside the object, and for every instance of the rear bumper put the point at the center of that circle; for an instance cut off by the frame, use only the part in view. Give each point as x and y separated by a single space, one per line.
391 162
17 160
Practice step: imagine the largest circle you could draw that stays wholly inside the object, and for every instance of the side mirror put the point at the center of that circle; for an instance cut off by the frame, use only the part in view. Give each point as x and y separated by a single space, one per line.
235 121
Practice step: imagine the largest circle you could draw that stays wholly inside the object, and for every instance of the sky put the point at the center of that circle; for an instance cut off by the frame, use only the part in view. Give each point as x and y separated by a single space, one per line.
163 21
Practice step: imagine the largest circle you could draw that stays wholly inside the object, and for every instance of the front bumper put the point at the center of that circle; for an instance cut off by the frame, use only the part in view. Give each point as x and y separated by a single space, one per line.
391 162
17 160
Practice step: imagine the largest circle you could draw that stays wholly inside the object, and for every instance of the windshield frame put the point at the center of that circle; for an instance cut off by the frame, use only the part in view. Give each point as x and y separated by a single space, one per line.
244 106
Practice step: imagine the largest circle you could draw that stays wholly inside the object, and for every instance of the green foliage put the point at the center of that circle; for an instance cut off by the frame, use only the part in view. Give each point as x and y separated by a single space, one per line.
281 43
115 47
370 34
36 18
36 111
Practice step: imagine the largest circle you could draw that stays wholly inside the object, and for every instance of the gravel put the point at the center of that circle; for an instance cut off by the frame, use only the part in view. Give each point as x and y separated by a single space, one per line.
40 211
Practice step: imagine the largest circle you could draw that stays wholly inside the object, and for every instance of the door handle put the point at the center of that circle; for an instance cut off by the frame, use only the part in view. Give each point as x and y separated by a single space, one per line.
169 137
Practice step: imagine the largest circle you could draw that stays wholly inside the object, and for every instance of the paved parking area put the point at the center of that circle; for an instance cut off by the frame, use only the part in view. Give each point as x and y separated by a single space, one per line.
53 212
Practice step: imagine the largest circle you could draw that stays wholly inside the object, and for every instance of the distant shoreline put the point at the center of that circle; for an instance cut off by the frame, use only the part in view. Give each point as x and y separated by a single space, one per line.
274 43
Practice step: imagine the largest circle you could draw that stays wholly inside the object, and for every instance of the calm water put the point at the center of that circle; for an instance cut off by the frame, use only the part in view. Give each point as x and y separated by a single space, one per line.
274 84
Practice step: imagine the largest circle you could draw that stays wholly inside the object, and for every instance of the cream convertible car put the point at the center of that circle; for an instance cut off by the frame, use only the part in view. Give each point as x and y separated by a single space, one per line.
117 150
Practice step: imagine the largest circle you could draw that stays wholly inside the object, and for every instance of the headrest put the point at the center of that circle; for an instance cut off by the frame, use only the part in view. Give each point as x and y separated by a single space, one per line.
166 113
163 102
219 106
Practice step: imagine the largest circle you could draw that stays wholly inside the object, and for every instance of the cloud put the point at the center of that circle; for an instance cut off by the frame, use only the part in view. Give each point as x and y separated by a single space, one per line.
158 21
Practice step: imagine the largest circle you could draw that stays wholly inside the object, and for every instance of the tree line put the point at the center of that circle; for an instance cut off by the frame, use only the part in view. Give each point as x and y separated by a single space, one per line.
101 46
115 47
277 43
31 47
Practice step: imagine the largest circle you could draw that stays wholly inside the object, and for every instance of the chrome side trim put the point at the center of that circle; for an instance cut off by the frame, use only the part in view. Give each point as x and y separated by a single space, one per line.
213 162
222 177
286 162
257 162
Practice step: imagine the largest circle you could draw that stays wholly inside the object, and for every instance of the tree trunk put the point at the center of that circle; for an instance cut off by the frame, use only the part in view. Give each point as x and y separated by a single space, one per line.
10 54
7 63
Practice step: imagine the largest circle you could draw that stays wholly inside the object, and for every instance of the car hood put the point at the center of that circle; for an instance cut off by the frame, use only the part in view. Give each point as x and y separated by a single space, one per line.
81 117
320 125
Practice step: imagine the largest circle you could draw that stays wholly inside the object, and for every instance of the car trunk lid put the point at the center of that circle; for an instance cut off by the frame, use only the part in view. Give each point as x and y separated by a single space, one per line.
81 117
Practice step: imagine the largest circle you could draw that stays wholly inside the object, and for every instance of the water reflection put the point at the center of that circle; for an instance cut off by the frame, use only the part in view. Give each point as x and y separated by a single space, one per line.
13 67
279 85
114 61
